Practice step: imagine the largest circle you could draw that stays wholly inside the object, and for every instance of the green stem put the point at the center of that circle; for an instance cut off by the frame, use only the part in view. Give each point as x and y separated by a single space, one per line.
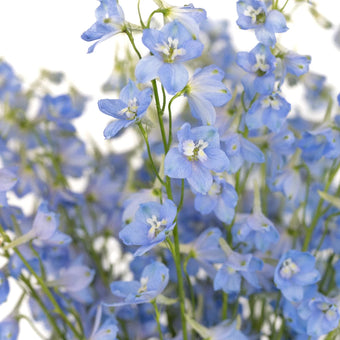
43 307
159 115
130 36
140 15
225 306
145 136
181 294
157 319
45 289
36 330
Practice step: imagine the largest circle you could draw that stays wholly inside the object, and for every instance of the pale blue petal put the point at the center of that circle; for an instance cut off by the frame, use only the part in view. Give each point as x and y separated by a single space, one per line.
112 107
114 127
173 77
147 69
200 179
176 165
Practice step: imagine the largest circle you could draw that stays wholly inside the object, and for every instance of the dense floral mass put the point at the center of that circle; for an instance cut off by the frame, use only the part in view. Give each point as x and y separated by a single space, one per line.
221 223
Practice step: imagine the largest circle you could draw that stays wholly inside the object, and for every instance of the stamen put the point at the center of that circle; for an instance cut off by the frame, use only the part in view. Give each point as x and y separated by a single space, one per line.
288 269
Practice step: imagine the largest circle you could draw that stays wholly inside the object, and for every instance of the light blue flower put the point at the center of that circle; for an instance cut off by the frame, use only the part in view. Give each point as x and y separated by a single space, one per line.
295 271
153 281
260 65
152 224
110 21
197 154
170 47
205 91
269 110
128 109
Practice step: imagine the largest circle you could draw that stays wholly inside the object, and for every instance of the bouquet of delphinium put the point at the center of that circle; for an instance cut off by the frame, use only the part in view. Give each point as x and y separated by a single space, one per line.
221 223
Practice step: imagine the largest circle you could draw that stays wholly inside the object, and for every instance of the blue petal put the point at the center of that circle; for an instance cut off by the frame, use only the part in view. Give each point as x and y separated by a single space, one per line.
177 165
250 152
147 69
173 77
265 36
112 107
129 92
217 159
202 109
152 38
200 179
114 127
193 49
276 22
135 233
205 203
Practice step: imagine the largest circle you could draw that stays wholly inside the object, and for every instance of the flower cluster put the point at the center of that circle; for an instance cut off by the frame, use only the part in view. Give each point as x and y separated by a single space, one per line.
222 222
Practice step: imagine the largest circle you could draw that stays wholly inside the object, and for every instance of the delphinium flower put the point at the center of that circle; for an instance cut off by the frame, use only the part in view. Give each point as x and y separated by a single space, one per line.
255 230
221 199
170 47
197 154
240 150
254 14
73 279
152 224
269 110
62 109
188 15
153 281
321 314
204 251
205 90
7 181
110 21
236 267
128 109
260 65
44 227
294 272
107 331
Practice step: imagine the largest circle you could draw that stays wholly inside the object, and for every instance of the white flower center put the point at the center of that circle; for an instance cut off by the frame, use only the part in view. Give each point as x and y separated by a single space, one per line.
131 110
195 151
156 226
271 101
254 14
170 50
215 189
260 65
288 268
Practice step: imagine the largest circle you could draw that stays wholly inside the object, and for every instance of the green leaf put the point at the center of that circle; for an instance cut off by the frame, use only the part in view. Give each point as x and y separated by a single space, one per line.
163 300
200 329
329 198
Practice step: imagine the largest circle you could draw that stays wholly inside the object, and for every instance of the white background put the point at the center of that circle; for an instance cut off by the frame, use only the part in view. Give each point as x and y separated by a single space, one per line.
36 34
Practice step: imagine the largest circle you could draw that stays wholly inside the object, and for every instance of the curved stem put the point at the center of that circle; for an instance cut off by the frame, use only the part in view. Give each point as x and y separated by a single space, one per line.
145 136
157 319
130 36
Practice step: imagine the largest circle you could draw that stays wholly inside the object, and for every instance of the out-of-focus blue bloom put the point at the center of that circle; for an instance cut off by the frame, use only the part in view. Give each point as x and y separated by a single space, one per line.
9 329
198 152
110 21
321 314
107 331
253 14
270 111
170 47
226 330
9 82
152 224
294 272
7 179
44 227
255 230
62 109
322 142
294 64
236 266
260 65
239 150
4 287
153 281
128 109
221 199
314 89
188 16
204 91
73 279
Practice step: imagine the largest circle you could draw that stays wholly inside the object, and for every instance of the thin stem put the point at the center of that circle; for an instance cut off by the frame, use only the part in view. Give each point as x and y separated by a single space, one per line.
140 15
145 136
164 98
43 307
45 289
181 294
225 306
130 36
36 330
159 115
153 302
